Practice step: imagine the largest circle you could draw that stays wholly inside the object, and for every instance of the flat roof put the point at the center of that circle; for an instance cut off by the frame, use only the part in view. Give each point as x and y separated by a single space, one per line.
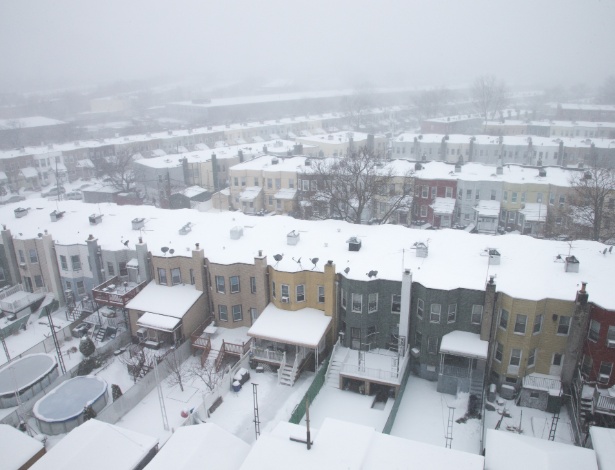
603 442
464 343
171 301
158 322
305 327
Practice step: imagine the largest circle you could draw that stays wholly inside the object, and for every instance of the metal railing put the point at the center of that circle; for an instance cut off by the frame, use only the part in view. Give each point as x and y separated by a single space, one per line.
269 355
454 371
604 403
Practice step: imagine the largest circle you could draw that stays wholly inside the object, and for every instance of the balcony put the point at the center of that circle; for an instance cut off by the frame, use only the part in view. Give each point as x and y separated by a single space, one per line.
116 293
604 402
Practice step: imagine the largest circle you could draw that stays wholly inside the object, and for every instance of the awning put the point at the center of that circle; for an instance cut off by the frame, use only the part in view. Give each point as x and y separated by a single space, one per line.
158 322
305 327
286 193
465 344
250 193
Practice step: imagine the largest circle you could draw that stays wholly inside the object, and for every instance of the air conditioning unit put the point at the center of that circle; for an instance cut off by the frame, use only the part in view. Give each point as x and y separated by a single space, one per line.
604 378
611 343
285 300
22 265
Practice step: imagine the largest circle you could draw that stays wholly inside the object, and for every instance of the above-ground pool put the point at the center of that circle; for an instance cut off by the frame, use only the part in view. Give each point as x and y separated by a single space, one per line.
62 408
26 376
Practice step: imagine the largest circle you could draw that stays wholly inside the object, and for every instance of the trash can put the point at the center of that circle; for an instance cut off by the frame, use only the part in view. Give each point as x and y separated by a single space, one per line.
236 386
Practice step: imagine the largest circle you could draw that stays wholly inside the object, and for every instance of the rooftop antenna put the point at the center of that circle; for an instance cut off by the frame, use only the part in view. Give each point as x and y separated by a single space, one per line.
278 258
315 261
298 261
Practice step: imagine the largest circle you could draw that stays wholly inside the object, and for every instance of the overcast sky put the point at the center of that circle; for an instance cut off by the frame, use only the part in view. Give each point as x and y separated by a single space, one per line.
401 42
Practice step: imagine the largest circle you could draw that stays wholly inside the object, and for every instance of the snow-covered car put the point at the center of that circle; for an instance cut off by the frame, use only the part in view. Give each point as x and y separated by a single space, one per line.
74 195
55 191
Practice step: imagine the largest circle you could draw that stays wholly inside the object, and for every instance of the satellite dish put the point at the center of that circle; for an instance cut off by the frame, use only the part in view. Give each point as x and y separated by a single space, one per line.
171 251
164 249
314 261
278 258
347 270
126 242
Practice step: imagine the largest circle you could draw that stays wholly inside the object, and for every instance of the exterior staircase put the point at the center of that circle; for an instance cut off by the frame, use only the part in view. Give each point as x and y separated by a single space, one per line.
286 375
338 358
101 334
477 381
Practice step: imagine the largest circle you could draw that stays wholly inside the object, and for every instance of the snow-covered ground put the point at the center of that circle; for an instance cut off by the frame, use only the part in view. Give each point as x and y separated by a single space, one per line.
423 416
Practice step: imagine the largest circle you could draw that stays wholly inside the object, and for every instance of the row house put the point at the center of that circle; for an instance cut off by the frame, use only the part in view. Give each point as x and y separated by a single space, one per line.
434 201
494 150
581 129
584 112
267 183
341 143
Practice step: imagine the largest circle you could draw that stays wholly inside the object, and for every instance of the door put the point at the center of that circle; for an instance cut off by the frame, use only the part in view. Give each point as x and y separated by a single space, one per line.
355 337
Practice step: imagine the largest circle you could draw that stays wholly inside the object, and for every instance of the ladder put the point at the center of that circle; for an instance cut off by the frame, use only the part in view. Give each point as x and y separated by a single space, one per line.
449 427
554 422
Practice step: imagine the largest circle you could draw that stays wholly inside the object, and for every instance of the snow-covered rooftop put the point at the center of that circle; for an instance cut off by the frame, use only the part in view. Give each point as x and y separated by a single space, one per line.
272 163
98 446
32 121
443 205
172 301
340 444
487 208
603 442
16 447
463 343
305 327
529 267
207 444
511 451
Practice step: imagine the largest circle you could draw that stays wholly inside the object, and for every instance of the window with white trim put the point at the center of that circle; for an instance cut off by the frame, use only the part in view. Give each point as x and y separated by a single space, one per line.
234 282
223 312
420 307
434 313
300 292
357 303
220 284
237 313
477 314
563 325
372 302
499 352
176 276
520 323
503 319
515 357
537 324
452 313
531 358
396 303
432 345
321 294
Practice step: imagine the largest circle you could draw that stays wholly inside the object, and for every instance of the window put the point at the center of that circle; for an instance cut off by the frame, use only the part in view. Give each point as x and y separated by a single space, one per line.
420 307
506 196
176 276
606 368
343 296
531 359
503 319
75 262
237 314
537 324
285 292
306 185
425 192
192 279
252 285
523 197
449 192
80 288
423 211
234 282
513 197
469 194
22 258
563 325
222 312
291 183
557 359
515 357
434 315
372 303
64 264
520 322
300 292
253 314
396 303
110 267
452 313
38 280
432 345
477 314
434 192
610 337
162 276
357 303
594 331
278 183
538 197
534 394
269 183
493 194
499 352
321 294
33 256
220 285
273 289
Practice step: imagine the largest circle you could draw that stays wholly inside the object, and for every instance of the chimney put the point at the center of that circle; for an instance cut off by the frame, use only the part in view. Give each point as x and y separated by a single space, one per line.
404 312
240 155
95 219
494 257
458 167
499 170
56 215
354 244
582 295
236 233
422 250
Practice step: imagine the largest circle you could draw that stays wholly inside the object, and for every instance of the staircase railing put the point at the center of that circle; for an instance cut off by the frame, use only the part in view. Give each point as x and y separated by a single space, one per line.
206 350
281 369
294 371
333 351
220 357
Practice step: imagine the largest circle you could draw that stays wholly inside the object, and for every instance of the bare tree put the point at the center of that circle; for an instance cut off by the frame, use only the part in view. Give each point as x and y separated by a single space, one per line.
178 372
489 96
119 169
431 103
349 187
356 105
138 361
208 374
592 201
